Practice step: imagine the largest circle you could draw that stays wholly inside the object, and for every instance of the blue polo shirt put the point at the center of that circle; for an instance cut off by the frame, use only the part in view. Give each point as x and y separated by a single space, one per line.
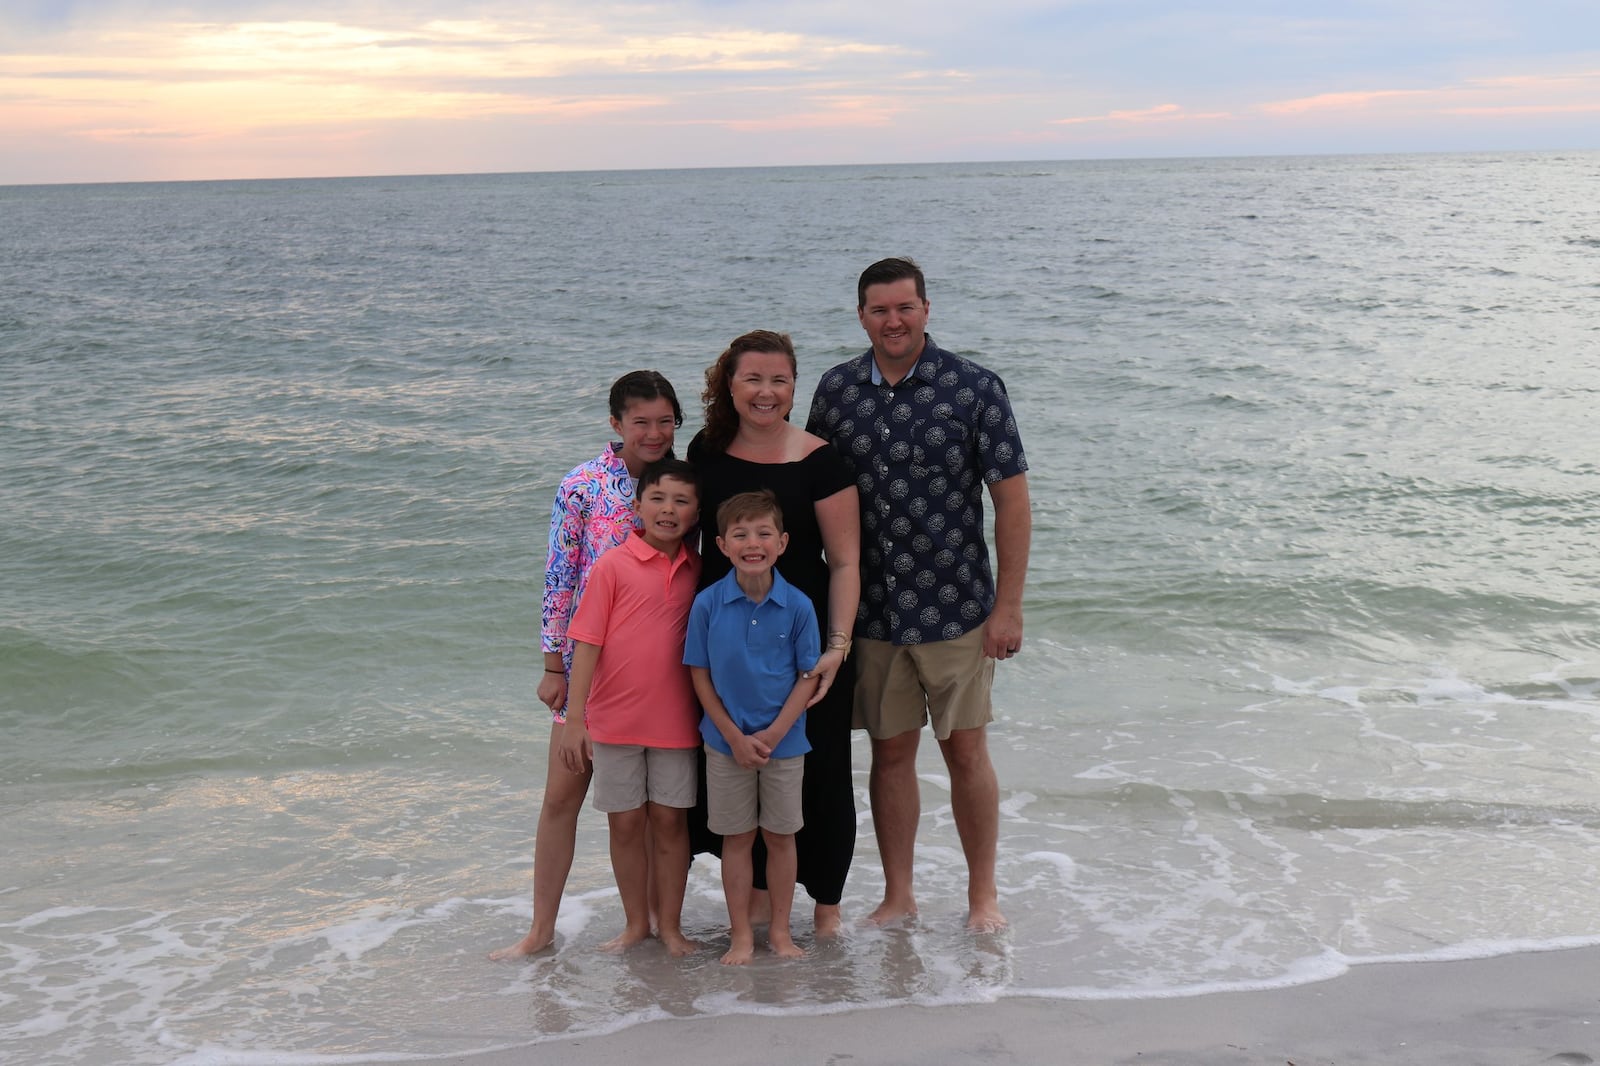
755 652
922 450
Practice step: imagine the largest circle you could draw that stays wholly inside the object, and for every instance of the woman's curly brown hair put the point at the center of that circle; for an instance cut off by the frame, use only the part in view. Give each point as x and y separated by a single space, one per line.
721 420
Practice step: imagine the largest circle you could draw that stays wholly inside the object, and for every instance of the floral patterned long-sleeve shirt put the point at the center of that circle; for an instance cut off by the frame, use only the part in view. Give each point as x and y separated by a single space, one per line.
593 513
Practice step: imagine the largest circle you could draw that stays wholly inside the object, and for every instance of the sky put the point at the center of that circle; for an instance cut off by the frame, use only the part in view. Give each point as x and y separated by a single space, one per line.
138 90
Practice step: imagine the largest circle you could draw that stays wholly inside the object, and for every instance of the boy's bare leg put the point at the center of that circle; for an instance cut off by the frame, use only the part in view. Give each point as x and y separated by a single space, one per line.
760 906
896 810
670 825
553 849
629 864
737 873
975 802
780 885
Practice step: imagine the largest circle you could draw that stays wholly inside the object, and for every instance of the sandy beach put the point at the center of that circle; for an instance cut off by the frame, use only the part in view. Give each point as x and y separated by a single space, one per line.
1516 1010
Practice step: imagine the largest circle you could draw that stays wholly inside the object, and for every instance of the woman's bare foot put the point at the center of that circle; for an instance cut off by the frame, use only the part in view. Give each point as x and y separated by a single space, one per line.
741 951
535 942
827 921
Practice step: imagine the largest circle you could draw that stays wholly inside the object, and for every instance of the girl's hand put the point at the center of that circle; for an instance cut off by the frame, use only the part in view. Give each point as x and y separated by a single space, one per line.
553 690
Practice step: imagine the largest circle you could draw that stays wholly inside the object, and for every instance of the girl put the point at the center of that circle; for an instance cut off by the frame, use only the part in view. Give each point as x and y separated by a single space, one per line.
594 512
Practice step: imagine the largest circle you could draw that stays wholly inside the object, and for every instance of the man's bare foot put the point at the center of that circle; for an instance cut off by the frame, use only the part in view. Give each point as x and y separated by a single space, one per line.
677 944
783 945
827 921
986 918
531 944
741 951
760 906
893 910
625 940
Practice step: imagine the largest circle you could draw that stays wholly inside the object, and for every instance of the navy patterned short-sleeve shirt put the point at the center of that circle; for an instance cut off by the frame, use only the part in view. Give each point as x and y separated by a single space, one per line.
922 450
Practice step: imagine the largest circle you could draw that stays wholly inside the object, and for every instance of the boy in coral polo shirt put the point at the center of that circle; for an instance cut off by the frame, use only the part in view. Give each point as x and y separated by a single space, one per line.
631 707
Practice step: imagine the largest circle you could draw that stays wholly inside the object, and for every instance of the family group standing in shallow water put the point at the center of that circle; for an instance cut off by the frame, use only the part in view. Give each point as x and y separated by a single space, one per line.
710 712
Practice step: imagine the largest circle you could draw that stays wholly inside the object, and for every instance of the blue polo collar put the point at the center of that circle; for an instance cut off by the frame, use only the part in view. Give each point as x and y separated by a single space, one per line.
778 594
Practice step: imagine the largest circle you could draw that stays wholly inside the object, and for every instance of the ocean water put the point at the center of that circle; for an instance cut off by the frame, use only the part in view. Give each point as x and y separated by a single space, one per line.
1312 672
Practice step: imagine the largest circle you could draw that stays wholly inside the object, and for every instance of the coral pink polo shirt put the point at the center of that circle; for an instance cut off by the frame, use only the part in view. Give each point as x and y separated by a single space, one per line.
636 608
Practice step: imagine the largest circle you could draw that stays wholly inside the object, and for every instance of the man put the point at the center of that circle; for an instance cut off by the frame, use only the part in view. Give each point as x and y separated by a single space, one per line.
926 430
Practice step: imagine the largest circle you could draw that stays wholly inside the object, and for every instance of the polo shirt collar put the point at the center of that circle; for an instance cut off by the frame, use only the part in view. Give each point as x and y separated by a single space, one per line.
778 594
642 551
925 369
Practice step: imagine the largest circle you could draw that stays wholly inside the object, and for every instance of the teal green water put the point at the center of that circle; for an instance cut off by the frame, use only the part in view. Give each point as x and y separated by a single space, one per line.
1313 661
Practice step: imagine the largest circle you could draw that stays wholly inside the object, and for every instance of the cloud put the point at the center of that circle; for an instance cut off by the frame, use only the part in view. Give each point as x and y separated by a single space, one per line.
1343 101
1159 113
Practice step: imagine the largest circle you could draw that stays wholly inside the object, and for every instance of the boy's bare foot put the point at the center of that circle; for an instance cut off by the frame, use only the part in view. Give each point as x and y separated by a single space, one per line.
827 921
677 944
531 944
741 951
783 946
986 918
893 910
625 940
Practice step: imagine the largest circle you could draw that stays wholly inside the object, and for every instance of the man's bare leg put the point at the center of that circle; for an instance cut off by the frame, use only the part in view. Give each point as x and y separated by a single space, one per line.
553 849
975 802
896 810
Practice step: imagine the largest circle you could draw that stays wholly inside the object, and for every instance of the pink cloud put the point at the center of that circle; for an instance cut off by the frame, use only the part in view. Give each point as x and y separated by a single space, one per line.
1159 113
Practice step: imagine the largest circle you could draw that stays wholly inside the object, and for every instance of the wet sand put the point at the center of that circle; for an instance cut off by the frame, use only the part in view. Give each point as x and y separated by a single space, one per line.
1516 1010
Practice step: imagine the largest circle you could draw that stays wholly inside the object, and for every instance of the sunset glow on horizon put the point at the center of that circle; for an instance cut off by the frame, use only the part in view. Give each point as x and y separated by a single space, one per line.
113 92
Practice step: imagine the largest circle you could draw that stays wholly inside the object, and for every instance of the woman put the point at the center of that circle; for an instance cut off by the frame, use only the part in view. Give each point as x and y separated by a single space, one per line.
747 444
593 513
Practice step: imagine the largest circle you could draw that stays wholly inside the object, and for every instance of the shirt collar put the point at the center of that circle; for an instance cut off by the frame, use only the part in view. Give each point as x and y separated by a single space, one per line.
641 549
778 594
925 369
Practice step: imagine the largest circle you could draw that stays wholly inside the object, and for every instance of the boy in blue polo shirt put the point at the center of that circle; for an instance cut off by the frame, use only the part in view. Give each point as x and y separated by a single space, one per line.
751 646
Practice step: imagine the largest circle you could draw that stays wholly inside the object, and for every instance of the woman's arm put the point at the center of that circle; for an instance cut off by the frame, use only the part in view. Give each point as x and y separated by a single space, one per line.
839 519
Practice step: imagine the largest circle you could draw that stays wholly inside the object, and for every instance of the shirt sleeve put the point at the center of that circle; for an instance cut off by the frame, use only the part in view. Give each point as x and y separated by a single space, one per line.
829 472
563 562
594 610
805 638
999 442
696 642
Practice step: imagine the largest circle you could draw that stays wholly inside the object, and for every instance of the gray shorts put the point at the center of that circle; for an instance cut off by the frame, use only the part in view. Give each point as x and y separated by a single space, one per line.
627 775
737 800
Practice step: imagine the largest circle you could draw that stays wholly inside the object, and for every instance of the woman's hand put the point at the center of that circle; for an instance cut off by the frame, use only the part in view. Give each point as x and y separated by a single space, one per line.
825 671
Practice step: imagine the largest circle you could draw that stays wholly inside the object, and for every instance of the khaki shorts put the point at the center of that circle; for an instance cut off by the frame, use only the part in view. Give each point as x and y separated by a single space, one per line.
626 775
737 800
900 687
